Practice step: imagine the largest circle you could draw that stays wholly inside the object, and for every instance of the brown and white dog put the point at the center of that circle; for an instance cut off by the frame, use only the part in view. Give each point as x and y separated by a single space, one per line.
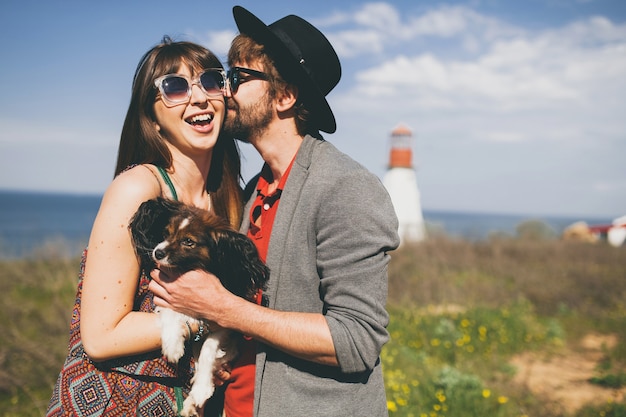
177 237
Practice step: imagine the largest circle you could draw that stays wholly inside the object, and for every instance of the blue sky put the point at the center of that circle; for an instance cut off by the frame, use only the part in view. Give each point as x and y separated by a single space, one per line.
515 106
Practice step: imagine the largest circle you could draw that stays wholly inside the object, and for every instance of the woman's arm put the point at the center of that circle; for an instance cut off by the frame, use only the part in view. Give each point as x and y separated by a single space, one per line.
109 327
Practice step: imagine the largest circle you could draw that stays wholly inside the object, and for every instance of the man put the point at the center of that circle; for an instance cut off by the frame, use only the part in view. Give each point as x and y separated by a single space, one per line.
323 224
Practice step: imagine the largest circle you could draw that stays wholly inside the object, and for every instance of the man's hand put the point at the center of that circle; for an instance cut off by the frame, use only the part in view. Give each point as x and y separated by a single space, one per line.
194 293
161 294
222 375
185 293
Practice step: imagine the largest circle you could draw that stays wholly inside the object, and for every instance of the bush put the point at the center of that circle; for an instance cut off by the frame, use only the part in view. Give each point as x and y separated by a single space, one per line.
34 320
535 230
451 363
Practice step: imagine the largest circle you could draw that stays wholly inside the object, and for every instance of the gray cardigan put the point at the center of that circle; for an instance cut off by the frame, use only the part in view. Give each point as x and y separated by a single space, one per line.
328 254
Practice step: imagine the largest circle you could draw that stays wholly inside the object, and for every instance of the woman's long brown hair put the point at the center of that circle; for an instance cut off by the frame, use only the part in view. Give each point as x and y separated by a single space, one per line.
141 143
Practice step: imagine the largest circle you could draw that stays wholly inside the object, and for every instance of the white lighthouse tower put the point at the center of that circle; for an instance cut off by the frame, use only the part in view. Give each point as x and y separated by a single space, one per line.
401 183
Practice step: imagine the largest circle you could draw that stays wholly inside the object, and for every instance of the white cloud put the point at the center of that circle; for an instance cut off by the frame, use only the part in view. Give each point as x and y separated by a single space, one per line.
351 43
591 31
383 23
537 112
217 41
540 70
379 16
334 18
444 22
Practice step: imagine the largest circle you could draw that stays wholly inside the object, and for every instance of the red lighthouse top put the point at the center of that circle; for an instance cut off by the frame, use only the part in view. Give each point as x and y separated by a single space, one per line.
401 155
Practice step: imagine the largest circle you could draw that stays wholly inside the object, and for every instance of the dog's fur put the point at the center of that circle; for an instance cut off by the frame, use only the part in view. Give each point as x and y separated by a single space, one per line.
177 237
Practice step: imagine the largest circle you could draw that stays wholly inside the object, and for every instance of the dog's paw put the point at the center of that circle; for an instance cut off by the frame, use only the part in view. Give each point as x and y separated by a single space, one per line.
172 347
200 393
172 334
190 407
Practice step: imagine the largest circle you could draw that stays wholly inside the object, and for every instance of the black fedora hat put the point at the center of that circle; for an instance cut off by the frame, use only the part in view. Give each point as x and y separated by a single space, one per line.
303 56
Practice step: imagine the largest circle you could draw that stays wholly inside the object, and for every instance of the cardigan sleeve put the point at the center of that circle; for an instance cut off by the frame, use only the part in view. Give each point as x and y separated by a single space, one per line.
356 228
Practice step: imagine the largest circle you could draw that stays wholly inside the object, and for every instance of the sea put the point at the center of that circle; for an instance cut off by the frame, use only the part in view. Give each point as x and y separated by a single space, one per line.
58 224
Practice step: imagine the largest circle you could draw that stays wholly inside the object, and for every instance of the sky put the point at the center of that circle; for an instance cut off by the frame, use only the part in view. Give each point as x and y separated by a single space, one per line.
516 107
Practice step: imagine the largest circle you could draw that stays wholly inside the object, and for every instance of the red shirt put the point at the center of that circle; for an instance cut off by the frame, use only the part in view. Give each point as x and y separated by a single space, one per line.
239 394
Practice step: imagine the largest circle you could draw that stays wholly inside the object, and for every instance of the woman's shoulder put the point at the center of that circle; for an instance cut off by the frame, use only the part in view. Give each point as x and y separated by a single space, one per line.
138 171
137 183
120 202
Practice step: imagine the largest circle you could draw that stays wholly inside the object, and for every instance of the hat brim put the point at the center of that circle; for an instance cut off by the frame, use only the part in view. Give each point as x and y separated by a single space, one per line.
250 25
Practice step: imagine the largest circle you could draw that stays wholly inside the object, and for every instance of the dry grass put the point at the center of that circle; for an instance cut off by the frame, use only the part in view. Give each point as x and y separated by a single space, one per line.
554 276
34 322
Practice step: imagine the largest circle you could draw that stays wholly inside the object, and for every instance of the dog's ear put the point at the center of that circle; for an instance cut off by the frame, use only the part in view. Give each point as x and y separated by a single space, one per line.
242 270
148 224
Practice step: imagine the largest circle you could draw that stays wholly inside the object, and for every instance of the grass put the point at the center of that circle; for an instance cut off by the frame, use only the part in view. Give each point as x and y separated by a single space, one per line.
448 364
34 321
459 312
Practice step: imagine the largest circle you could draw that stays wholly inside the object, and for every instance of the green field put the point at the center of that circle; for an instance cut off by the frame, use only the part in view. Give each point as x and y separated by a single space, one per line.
462 315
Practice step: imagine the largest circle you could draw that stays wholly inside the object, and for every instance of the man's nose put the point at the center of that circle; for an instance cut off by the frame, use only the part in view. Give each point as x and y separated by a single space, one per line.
227 91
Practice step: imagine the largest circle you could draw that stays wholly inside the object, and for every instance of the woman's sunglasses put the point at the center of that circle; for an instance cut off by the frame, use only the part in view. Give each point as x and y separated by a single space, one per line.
176 88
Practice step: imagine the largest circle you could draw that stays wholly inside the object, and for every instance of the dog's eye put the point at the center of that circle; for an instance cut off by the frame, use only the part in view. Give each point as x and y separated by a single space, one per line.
190 243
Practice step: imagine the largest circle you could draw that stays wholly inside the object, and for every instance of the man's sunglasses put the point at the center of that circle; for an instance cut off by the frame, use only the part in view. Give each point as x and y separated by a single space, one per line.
238 75
176 88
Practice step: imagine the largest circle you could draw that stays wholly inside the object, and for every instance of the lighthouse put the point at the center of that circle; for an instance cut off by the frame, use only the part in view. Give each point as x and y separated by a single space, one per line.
401 183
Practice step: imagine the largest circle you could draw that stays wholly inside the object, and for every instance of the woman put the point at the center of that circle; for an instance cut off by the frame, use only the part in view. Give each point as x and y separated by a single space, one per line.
170 146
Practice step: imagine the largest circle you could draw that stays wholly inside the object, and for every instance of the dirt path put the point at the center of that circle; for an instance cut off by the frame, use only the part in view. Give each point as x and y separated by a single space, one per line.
563 377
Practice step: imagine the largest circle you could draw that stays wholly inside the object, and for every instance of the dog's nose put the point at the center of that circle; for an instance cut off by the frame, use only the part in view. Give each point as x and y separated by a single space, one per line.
159 254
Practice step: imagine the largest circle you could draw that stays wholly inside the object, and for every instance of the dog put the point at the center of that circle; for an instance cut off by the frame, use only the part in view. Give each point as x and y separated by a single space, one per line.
171 235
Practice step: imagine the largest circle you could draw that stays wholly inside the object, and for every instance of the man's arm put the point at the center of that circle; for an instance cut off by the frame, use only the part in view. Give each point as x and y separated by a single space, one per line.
201 294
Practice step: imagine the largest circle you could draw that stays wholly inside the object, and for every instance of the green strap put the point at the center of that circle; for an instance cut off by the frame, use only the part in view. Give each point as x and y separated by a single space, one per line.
178 391
168 181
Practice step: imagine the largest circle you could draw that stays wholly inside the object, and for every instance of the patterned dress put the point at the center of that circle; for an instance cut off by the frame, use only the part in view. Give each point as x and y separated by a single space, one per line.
141 385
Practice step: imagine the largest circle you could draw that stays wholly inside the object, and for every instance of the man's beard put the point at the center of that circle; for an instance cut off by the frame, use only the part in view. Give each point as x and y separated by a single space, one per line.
246 122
